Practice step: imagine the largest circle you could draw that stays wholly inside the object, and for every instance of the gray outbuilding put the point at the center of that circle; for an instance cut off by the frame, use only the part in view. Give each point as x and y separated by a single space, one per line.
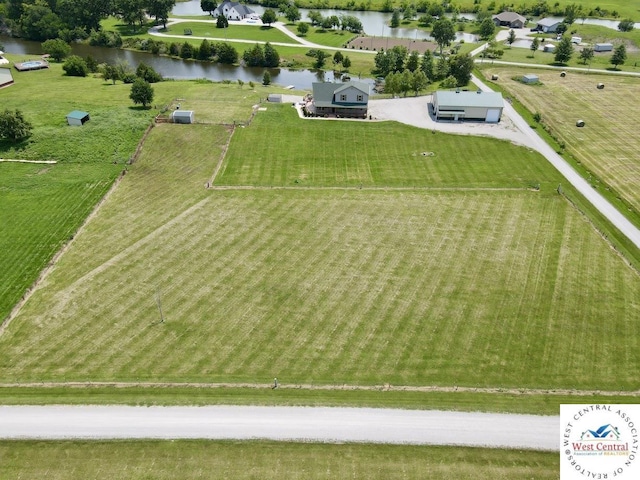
182 116
484 106
77 118
603 47
530 78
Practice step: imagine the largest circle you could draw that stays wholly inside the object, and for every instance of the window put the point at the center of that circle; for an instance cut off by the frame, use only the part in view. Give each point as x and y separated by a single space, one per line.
343 98
360 98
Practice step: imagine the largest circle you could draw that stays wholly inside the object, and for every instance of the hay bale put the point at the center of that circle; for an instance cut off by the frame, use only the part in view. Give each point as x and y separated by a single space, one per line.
580 123
494 77
600 86
563 74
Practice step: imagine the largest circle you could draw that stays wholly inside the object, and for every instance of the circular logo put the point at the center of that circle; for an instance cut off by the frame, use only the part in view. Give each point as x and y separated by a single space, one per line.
599 441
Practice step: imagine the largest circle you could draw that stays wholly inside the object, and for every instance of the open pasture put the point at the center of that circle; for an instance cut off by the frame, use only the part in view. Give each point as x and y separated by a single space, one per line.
318 152
195 459
607 145
233 32
478 287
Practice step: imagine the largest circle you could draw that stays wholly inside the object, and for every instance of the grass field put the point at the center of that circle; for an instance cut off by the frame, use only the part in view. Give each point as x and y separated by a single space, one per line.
233 32
606 147
331 38
334 286
193 459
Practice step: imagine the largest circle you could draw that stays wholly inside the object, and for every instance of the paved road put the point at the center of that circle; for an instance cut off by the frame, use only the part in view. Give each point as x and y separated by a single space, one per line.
281 423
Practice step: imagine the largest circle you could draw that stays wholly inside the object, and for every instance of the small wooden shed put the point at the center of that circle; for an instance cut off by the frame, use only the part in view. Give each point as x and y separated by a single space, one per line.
78 118
182 116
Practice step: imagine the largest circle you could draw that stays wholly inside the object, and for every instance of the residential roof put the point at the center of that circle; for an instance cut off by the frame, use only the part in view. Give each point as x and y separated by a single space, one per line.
77 114
323 91
447 98
510 17
5 76
548 22
240 8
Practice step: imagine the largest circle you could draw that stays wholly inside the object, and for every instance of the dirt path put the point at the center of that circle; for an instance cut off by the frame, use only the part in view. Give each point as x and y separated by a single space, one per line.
344 387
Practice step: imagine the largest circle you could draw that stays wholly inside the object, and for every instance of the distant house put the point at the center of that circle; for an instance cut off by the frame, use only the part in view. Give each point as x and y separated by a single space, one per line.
509 19
6 78
485 106
182 116
350 99
548 25
233 10
77 118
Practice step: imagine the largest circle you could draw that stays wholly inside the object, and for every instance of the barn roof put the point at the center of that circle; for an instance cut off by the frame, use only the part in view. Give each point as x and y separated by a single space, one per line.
447 98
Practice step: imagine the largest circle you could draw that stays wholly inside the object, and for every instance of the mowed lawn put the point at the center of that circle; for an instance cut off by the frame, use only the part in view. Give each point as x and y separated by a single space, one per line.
195 459
461 286
608 144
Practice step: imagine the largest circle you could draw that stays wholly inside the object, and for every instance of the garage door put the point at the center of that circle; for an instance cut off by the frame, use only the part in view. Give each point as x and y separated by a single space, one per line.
493 115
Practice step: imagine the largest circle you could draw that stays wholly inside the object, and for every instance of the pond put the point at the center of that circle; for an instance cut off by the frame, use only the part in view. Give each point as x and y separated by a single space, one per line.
183 69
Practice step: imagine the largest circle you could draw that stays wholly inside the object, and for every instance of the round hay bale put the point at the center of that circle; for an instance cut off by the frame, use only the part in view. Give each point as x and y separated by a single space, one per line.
494 77
600 86
563 74
580 123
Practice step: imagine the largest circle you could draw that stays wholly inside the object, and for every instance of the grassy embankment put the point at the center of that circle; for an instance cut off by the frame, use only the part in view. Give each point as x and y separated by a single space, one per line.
191 459
444 269
604 151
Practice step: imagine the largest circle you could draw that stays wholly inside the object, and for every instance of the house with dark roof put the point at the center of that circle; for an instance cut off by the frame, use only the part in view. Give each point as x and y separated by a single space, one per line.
509 19
232 10
349 99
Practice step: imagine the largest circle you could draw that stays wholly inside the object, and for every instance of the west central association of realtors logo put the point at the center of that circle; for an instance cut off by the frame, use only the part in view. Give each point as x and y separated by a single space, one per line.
599 441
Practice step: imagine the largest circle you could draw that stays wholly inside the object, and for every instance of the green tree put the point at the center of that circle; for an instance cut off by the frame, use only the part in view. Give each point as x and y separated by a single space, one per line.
571 13
413 62
254 57
141 92
392 83
57 48
619 56
418 81
346 62
395 19
208 6
85 14
131 12
205 52
111 72
461 66
13 126
226 53
266 78
75 66
511 38
320 57
271 56
292 14
302 28
147 73
337 57
586 55
426 65
487 29
443 33
222 22
315 17
269 16
39 23
92 63
186 51
626 25
442 68
160 10
535 45
564 51
405 82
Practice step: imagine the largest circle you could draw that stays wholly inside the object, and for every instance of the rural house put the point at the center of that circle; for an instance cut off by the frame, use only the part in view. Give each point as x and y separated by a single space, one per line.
485 106
509 19
232 10
548 25
350 99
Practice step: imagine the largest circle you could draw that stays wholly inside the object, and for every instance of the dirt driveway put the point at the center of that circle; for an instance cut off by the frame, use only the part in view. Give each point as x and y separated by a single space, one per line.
415 111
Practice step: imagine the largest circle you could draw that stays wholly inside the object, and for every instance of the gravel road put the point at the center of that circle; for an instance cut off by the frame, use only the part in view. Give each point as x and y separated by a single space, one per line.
322 424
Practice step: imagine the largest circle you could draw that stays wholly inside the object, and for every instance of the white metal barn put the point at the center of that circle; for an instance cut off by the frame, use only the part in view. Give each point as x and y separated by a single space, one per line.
182 116
485 106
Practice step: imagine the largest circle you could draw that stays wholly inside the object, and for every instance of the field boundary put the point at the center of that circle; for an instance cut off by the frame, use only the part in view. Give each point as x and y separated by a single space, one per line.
345 387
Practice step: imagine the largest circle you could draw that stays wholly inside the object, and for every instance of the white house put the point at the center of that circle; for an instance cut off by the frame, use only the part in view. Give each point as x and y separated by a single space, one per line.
509 19
350 99
233 10
485 106
548 25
